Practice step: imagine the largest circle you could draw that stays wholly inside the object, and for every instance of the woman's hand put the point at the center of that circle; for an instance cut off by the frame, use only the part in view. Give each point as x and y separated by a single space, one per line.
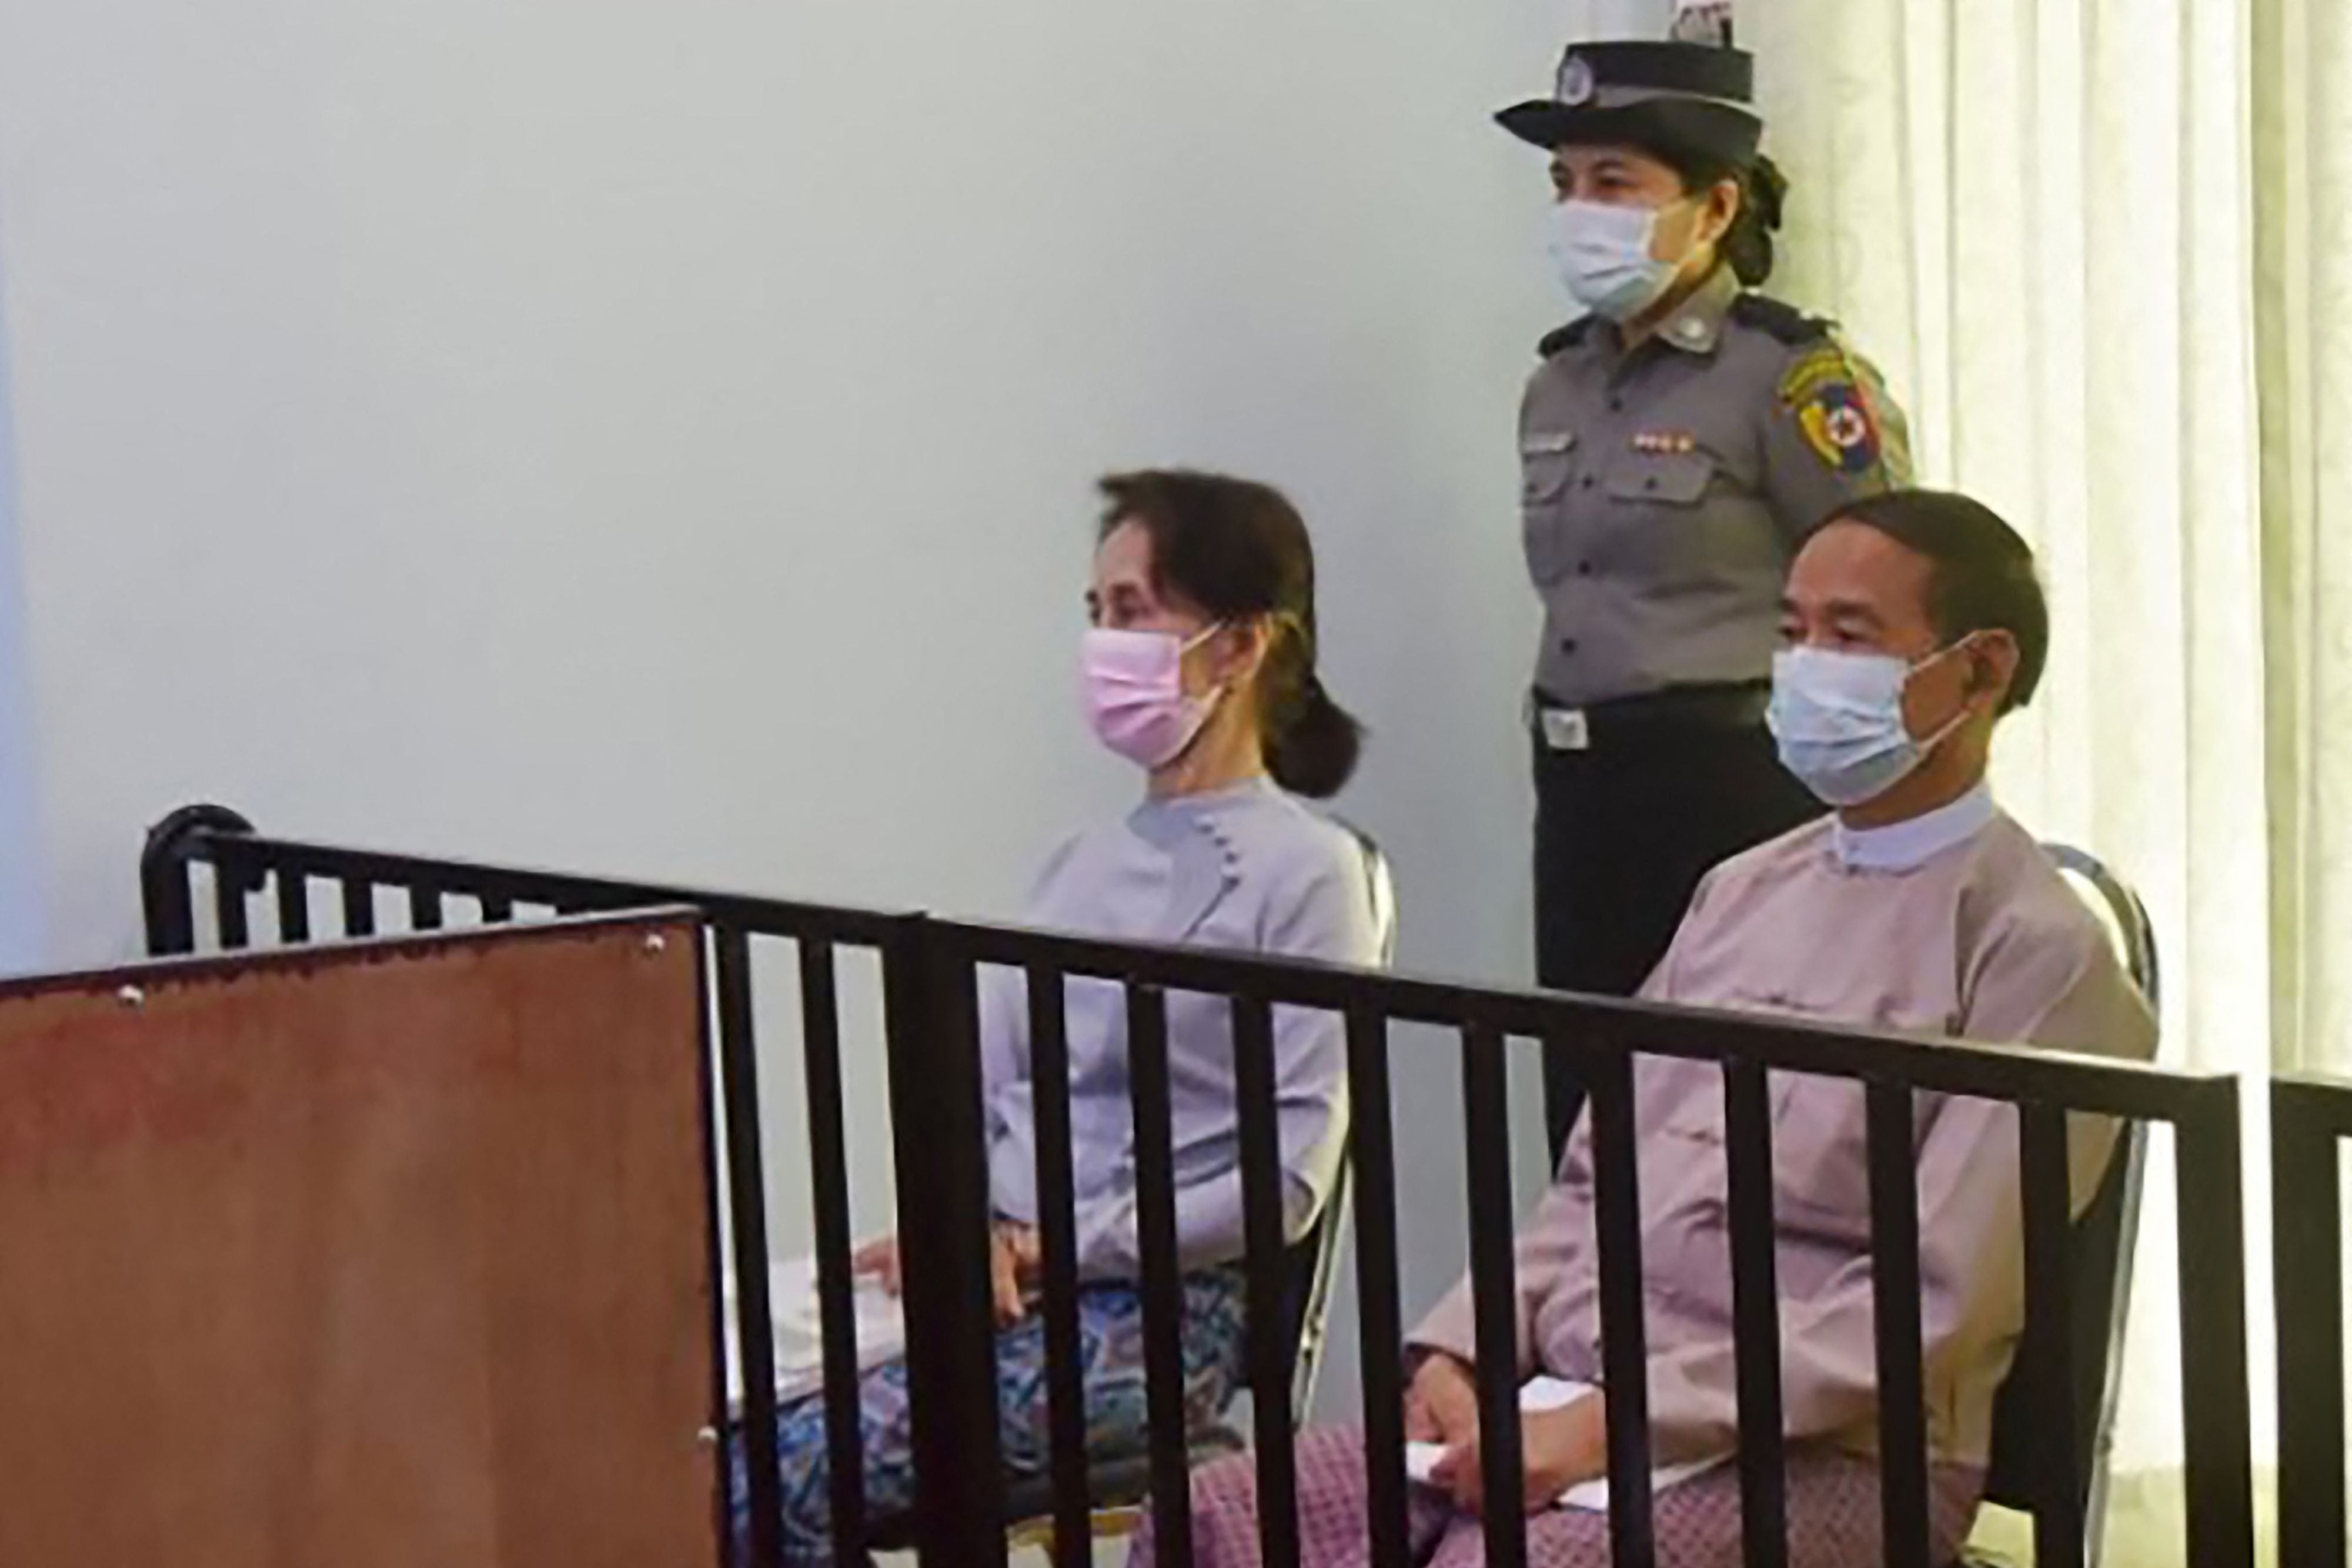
1441 1405
878 1260
1559 1449
1016 1260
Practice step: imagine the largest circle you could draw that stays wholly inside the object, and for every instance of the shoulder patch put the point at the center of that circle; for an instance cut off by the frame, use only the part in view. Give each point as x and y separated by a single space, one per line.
1832 395
1779 319
1567 336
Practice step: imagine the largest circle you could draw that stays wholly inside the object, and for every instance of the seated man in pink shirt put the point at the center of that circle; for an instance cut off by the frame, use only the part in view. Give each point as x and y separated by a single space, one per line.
1912 623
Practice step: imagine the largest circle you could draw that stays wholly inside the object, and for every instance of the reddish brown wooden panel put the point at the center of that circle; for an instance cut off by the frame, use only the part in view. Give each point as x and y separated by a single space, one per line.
383 1256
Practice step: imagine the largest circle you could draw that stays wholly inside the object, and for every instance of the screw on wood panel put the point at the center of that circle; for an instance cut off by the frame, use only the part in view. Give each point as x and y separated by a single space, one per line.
131 997
656 943
708 1436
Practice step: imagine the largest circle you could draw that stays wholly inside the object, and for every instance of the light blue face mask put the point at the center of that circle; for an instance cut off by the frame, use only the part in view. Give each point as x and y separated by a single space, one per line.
1837 718
1601 252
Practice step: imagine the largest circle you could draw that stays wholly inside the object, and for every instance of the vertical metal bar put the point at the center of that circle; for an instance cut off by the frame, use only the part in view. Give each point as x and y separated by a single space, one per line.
829 1189
1494 1292
1049 1093
1756 1313
1894 1279
228 902
2218 1436
1378 1318
748 1203
167 898
1162 1280
293 907
424 907
2307 1217
1624 1338
714 1248
1265 1260
2048 1350
497 909
939 1149
1564 1097
358 907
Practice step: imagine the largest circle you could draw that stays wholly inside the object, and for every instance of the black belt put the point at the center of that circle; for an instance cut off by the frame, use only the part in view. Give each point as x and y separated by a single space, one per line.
1563 726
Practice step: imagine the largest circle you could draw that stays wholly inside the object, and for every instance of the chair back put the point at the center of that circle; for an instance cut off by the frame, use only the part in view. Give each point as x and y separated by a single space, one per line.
2119 910
2099 1251
1314 1262
1379 883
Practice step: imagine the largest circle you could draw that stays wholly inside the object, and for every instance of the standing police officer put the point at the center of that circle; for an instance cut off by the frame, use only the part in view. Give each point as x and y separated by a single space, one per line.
1676 442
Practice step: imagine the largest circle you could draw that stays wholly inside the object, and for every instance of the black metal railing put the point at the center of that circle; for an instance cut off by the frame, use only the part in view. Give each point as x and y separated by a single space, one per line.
931 971
2311 1119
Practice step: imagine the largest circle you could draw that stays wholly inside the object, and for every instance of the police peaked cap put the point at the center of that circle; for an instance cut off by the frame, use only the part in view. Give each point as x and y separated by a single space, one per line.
1670 98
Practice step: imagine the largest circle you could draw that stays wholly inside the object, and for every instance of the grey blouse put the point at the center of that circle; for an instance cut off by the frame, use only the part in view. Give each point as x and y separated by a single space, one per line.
1248 868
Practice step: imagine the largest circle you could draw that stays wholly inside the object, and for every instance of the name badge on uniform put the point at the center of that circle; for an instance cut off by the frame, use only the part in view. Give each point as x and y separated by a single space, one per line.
1565 729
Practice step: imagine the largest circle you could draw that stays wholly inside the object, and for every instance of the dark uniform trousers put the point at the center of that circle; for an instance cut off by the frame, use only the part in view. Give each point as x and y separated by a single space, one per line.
1665 789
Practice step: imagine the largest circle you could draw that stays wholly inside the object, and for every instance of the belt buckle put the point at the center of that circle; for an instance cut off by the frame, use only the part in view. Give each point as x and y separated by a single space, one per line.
1566 729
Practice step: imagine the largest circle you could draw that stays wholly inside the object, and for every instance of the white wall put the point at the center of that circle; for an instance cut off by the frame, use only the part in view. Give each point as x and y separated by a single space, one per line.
21 888
658 438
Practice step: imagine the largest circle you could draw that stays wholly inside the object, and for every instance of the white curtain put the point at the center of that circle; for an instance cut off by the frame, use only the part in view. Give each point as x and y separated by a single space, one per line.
2302 50
2103 249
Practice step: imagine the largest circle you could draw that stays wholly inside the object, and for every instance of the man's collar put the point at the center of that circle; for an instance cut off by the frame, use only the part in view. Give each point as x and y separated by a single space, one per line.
1909 844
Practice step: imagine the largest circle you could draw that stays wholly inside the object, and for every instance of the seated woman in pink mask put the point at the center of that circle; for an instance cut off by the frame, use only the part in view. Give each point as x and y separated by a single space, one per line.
1200 669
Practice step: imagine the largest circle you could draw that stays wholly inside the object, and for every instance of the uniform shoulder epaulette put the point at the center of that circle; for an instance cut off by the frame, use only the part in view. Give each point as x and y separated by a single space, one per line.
1566 336
1780 319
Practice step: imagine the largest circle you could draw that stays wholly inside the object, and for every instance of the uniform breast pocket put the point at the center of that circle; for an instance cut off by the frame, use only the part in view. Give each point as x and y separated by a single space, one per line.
1547 469
1679 480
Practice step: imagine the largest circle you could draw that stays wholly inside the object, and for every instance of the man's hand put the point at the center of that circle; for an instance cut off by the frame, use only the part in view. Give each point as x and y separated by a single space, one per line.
1441 1405
1559 1449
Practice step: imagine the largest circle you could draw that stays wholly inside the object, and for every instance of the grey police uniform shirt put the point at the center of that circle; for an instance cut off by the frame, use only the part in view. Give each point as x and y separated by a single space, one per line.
1664 488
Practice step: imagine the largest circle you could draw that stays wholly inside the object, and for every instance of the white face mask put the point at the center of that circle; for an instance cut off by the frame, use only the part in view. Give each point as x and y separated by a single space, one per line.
1837 719
1601 252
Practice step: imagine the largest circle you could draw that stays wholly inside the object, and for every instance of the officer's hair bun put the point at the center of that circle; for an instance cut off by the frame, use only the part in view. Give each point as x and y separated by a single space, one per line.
1747 245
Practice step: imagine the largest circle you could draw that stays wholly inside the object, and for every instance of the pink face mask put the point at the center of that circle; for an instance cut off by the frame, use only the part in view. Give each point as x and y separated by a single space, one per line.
1135 693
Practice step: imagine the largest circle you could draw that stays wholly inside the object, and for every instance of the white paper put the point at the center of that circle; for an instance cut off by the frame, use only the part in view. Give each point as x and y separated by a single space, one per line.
1556 1394
800 1344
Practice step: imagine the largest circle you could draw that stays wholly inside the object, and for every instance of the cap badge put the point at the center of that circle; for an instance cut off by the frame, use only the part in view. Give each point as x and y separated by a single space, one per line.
1576 81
